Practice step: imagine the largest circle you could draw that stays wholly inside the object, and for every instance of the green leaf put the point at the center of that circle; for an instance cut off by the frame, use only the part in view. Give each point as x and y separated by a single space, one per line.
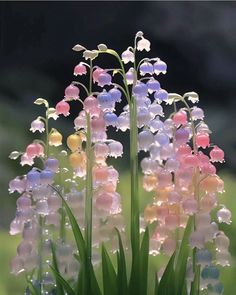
32 288
55 265
156 285
121 268
182 259
109 274
195 284
80 243
144 256
185 290
79 289
40 101
77 257
62 282
94 283
167 282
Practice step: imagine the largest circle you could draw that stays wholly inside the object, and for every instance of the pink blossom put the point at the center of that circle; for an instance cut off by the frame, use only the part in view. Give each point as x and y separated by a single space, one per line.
63 108
80 69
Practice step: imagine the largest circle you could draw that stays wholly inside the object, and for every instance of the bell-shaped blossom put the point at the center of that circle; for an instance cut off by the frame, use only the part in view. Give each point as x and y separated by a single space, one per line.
104 79
110 119
146 68
224 215
217 154
180 118
127 56
140 89
115 149
72 92
161 95
80 69
153 85
145 139
55 138
159 67
63 108
143 44
197 113
34 150
105 101
115 94
130 76
202 140
96 73
17 184
74 142
52 164
37 125
26 160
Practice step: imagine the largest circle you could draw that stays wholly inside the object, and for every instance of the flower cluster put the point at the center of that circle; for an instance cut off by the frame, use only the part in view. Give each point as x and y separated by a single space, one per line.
178 168
39 213
180 171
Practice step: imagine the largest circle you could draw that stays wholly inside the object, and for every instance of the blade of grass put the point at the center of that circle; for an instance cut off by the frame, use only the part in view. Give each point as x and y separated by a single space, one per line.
94 283
185 290
182 258
156 285
55 265
32 288
144 256
135 278
109 274
80 243
167 282
79 282
195 284
62 282
121 268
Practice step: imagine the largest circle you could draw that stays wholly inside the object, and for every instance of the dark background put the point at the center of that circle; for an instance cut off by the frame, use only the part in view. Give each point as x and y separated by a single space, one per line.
196 39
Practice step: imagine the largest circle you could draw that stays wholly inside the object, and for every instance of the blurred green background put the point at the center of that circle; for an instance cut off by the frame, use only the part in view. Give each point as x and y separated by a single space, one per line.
196 39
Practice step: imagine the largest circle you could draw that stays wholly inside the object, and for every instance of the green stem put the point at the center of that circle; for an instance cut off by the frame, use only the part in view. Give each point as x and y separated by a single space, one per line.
135 225
88 202
116 55
41 219
135 233
62 225
40 246
47 134
192 125
62 211
90 77
196 186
